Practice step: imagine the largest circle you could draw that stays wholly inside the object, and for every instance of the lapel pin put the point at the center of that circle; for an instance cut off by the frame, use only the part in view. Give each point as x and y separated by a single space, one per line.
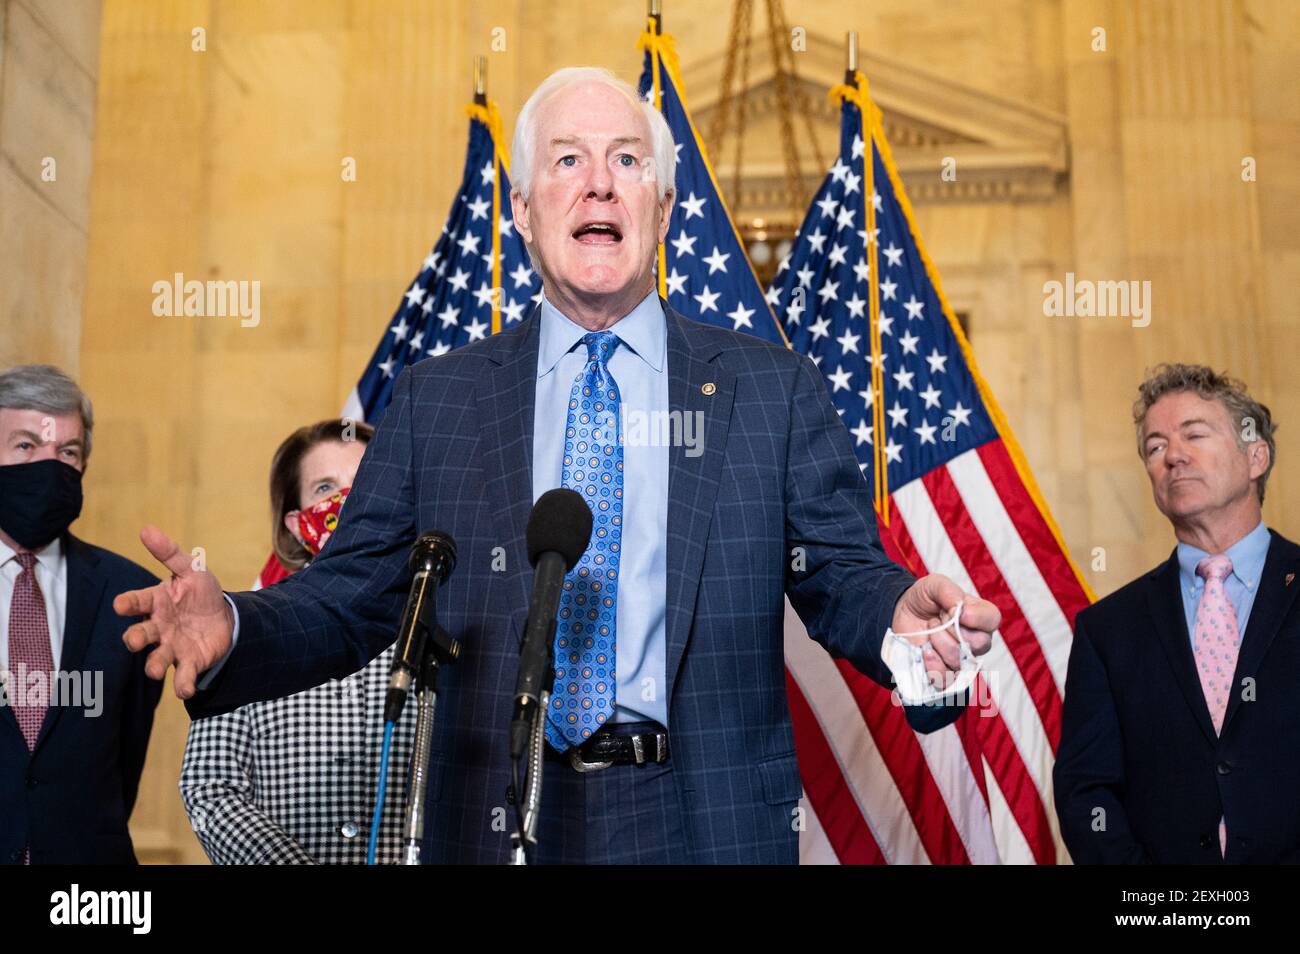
1289 578
708 387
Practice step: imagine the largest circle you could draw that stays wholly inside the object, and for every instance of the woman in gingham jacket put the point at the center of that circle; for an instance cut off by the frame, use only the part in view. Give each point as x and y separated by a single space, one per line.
292 781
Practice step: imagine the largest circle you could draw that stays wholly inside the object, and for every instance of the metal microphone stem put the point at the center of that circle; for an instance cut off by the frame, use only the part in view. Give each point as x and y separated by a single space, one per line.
526 840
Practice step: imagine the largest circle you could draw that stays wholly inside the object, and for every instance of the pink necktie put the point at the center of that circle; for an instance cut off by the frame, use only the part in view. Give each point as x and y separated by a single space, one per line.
1217 640
29 652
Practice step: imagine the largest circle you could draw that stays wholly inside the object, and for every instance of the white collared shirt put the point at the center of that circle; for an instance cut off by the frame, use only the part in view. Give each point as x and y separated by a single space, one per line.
52 577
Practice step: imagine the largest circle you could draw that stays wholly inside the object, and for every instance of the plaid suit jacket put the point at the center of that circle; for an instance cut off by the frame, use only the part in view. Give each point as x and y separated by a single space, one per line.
453 452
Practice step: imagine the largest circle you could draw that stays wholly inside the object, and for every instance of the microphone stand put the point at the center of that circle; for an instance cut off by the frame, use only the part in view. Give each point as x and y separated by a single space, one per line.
528 797
442 648
559 530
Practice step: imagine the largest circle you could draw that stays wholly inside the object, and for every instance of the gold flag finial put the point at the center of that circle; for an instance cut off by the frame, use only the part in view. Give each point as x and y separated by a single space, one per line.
480 79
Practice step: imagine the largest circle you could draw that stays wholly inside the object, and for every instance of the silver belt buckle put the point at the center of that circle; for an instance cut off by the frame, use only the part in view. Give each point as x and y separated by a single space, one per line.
575 760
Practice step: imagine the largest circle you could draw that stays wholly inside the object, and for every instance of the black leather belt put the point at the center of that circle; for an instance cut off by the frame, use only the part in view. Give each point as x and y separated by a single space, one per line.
607 748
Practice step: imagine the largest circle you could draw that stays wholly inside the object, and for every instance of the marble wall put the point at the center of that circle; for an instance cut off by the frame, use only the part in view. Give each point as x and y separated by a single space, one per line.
49 72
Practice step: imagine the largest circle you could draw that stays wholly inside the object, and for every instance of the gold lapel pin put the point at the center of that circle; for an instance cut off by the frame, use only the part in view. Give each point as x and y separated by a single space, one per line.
708 387
1289 578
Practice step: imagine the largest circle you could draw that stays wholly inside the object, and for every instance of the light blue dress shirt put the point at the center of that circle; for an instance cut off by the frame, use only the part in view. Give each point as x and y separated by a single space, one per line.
1247 556
640 367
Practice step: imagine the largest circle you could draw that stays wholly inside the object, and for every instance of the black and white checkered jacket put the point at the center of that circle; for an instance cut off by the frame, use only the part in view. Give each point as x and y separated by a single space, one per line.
292 780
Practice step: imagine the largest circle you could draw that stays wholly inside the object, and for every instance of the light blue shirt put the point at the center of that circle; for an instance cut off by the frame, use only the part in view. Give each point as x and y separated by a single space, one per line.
640 368
1247 556
639 365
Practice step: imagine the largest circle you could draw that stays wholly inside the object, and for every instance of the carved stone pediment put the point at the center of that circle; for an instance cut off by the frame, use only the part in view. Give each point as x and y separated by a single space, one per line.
1003 150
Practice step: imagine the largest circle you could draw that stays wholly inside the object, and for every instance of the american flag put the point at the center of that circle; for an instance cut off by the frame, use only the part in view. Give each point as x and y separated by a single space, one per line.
859 294
954 496
476 281
704 272
451 300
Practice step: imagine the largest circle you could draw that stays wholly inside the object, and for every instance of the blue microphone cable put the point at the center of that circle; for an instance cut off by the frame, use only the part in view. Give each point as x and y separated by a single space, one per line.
380 793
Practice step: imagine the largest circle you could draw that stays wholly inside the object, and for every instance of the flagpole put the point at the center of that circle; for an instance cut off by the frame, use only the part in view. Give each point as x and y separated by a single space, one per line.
480 99
866 115
665 71
654 23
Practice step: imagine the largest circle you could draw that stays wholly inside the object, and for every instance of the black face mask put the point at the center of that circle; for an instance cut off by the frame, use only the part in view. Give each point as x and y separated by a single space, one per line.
39 500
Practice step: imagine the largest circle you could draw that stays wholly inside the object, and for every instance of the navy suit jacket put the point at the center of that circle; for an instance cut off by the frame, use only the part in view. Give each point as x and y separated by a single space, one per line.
70 798
454 453
1137 742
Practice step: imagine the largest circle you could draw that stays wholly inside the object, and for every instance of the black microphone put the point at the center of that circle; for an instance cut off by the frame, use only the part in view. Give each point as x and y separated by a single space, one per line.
433 557
559 529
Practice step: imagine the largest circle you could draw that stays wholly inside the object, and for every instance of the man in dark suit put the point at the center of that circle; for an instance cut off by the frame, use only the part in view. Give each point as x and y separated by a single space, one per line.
670 738
73 736
1180 739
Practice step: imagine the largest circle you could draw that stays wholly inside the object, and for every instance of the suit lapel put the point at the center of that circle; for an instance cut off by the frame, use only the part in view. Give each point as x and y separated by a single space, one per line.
1169 619
1273 602
506 396
692 481
85 589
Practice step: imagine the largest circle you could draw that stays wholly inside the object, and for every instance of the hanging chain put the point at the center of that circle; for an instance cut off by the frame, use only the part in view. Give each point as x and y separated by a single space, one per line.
791 99
745 28
802 107
718 129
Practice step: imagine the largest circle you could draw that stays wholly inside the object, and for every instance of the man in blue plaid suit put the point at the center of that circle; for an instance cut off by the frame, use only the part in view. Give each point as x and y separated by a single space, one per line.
670 739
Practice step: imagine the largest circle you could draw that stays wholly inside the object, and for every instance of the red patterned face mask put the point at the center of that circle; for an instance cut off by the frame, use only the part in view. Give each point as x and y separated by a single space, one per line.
318 521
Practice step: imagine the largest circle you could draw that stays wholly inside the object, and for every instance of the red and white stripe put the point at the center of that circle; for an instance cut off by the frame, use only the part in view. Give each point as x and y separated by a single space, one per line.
979 791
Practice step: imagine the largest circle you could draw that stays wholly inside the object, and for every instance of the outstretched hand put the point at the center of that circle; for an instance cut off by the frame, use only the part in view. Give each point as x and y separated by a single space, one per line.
186 617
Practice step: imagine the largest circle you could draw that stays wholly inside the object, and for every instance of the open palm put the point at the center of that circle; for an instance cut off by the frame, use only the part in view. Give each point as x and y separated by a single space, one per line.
186 617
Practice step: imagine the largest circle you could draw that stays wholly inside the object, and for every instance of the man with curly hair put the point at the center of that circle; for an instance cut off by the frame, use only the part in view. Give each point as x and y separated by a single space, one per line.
1180 737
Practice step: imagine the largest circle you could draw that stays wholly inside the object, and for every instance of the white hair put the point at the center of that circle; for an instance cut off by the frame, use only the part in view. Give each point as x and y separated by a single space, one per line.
523 149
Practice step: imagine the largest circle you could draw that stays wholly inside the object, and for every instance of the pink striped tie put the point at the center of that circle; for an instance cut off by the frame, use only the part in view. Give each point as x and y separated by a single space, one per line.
29 652
1217 640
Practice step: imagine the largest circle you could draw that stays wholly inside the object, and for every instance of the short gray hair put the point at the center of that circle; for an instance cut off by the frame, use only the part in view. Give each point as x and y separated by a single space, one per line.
43 387
523 149
1212 386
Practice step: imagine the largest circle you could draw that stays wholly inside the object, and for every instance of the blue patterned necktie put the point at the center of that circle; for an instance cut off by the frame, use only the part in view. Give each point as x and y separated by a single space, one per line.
583 699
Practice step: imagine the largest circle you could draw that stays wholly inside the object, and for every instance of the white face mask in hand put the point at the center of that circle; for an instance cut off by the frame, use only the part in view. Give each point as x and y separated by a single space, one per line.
907 662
